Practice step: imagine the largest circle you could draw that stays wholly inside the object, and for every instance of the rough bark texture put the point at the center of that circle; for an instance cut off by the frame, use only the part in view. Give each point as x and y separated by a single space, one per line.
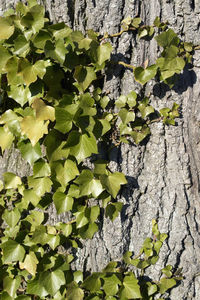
163 175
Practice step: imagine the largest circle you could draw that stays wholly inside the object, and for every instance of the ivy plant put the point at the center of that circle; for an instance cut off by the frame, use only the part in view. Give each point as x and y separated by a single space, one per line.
53 110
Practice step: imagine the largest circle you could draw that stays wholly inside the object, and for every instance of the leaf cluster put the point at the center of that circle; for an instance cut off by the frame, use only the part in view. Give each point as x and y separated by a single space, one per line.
54 112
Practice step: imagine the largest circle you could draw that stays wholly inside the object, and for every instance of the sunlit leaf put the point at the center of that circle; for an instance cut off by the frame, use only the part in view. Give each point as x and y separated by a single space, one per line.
12 252
6 28
34 129
30 263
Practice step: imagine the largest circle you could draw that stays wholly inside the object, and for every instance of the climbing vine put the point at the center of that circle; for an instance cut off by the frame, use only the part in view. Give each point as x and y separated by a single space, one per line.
53 110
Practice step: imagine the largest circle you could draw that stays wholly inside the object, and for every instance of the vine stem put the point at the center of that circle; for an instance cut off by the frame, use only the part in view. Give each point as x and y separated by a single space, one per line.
108 36
126 65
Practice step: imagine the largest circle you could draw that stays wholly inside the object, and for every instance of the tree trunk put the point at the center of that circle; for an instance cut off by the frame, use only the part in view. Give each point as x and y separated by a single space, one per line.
163 174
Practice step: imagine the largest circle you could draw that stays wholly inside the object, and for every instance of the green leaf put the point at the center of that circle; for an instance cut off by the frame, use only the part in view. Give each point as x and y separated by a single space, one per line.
31 72
55 146
40 185
20 94
11 67
5 296
139 136
113 182
131 288
53 281
81 145
84 77
63 120
81 219
126 116
41 169
121 101
30 263
36 286
30 153
11 180
74 292
6 28
66 229
10 285
34 129
11 217
40 39
152 289
87 231
5 55
113 209
66 173
166 284
167 38
103 53
56 51
34 18
12 252
167 270
21 46
144 75
92 283
31 196
111 285
104 101
145 110
6 138
88 184
131 99
62 202
53 241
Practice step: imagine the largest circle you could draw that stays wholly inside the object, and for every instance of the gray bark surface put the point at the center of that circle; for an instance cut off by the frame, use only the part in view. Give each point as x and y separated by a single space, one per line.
163 175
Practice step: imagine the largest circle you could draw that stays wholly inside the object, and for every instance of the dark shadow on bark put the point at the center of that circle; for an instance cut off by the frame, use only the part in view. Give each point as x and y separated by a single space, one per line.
183 81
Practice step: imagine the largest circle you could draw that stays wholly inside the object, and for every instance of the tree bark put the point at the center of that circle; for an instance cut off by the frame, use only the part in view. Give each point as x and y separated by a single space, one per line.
163 174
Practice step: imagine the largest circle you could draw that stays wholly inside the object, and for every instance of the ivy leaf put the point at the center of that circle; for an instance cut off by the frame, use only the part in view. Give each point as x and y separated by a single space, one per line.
167 38
30 263
11 217
81 145
40 185
139 135
84 77
40 39
66 173
5 55
126 116
34 18
41 169
31 196
62 202
6 138
145 110
121 101
81 219
103 53
144 75
131 288
56 51
55 146
88 184
53 241
6 28
30 153
12 71
74 292
113 182
34 129
63 120
10 285
21 46
12 252
20 94
30 72
11 180
92 283
166 284
131 99
36 286
113 209
53 281
111 285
